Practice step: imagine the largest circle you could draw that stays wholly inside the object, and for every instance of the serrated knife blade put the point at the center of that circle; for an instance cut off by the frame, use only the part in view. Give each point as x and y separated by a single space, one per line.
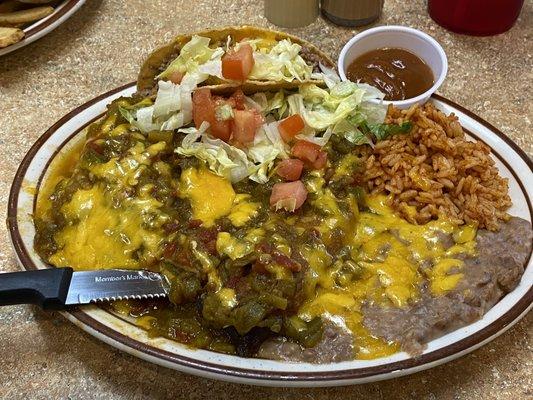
57 288
114 284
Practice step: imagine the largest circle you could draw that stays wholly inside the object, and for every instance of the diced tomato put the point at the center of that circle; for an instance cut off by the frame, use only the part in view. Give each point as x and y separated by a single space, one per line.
220 101
290 127
237 65
290 169
310 153
306 151
237 100
289 195
202 106
221 129
244 126
259 119
286 262
176 77
321 160
194 223
169 249
204 110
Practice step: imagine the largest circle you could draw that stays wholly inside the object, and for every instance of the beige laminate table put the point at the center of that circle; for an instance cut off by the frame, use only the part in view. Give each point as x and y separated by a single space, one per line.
43 356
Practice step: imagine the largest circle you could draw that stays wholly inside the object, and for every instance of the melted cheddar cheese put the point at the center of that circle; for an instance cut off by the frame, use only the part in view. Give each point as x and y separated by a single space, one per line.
243 210
102 236
211 196
388 255
338 256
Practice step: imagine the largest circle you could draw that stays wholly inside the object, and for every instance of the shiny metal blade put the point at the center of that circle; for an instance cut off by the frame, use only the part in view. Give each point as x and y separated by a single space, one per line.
115 284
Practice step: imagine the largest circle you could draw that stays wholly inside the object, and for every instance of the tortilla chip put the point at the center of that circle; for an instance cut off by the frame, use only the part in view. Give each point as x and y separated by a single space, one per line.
9 36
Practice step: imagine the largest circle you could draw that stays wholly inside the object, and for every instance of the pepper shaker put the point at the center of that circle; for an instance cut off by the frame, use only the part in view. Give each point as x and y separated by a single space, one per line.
352 12
291 13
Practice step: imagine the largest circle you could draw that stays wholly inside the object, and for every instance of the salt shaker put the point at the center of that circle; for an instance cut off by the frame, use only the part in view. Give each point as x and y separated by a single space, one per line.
352 12
291 13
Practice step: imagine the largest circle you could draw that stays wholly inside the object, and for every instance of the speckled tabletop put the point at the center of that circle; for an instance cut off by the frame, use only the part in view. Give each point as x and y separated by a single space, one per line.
43 356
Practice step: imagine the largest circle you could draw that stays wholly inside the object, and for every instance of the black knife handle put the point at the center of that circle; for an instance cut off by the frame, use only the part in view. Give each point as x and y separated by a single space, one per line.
47 288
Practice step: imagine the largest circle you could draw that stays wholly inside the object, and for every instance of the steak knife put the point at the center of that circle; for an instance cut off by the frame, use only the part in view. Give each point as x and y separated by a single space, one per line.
58 288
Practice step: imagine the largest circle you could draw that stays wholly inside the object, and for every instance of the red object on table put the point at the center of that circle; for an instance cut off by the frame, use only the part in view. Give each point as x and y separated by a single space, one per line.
475 17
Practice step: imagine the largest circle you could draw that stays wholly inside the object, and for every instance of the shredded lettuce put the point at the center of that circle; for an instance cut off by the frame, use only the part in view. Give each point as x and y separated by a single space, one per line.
277 103
318 119
254 43
338 110
168 99
371 92
262 153
254 162
229 161
130 112
278 61
171 110
270 136
267 104
140 118
193 54
258 101
328 75
384 131
372 113
213 67
341 109
223 112
281 63
188 84
351 133
223 159
319 140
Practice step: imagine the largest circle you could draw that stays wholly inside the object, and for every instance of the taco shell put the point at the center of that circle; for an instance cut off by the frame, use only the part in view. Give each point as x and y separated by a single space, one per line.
158 60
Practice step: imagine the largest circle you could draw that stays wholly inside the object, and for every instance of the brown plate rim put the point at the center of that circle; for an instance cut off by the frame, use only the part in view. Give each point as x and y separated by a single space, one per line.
53 18
262 375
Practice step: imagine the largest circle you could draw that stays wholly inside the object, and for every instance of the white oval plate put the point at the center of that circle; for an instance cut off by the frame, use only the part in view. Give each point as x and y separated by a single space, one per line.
511 161
38 29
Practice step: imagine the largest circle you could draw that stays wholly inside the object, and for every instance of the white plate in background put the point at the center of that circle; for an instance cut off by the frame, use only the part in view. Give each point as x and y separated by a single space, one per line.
38 29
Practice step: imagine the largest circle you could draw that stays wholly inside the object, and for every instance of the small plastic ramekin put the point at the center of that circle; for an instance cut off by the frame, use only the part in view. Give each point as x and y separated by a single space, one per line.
413 40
